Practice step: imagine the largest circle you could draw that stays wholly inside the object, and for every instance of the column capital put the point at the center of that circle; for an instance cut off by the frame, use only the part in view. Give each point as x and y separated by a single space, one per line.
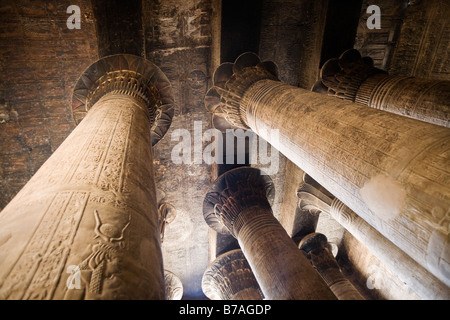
313 242
130 75
313 197
317 249
342 77
230 82
166 213
173 286
229 276
232 193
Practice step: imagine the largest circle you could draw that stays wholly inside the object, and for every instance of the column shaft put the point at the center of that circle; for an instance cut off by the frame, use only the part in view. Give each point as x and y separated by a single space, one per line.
326 265
90 210
389 169
422 282
338 283
422 99
281 269
316 199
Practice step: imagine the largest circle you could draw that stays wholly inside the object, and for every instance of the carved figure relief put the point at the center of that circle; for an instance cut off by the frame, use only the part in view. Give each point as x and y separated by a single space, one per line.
109 235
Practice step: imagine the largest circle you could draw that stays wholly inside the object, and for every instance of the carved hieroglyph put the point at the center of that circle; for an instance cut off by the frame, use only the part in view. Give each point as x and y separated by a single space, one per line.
86 225
349 149
174 286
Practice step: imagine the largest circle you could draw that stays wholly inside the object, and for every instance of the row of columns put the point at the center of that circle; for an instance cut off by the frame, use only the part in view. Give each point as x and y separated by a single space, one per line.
389 169
92 206
317 201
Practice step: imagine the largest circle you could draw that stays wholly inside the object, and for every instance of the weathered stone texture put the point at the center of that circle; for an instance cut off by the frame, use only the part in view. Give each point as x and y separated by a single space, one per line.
119 27
238 202
91 207
40 60
369 275
358 161
423 46
379 44
318 251
230 277
177 39
176 24
291 35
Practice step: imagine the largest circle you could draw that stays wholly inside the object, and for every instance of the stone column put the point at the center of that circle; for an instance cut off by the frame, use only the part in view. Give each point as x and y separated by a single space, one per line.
239 203
353 78
391 170
315 246
166 214
173 285
230 277
423 283
86 224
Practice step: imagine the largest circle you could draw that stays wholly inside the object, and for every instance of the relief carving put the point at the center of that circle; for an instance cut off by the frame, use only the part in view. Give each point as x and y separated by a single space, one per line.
342 77
102 261
167 213
81 212
35 274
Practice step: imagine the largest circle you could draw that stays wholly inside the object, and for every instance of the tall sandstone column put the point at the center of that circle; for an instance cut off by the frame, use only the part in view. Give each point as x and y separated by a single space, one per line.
318 201
86 224
238 203
229 277
391 170
354 78
315 246
174 286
